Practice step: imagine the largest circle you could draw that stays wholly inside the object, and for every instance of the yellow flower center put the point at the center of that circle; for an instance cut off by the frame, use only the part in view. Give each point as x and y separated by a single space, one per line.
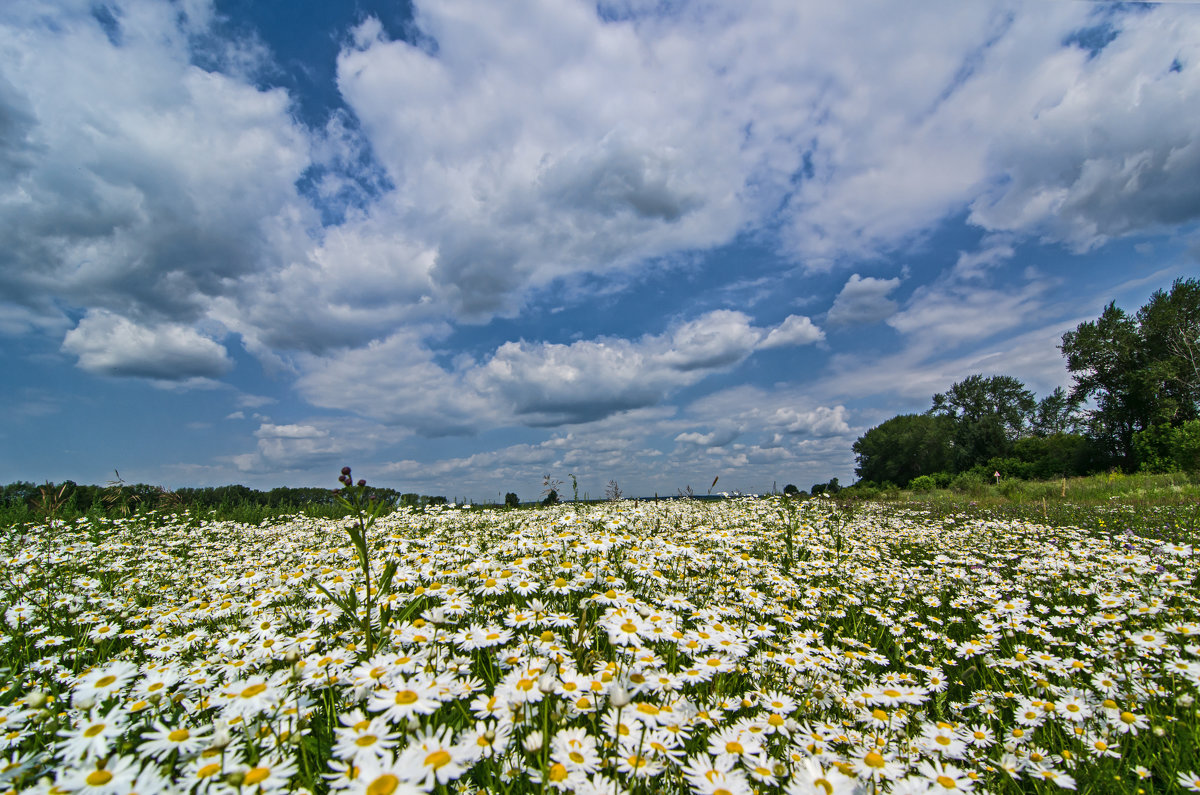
384 785
105 681
256 775
406 697
253 690
179 735
873 759
438 759
947 782
98 778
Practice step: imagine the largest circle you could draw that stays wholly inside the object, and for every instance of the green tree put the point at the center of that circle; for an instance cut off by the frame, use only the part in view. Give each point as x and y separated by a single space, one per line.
989 414
1056 413
511 499
905 447
1138 371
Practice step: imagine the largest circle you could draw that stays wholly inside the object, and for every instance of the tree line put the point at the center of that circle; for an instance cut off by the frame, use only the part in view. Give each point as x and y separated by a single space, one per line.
117 498
1134 404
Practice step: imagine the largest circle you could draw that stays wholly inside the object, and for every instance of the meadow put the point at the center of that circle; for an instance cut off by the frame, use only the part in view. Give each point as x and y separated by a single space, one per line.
718 648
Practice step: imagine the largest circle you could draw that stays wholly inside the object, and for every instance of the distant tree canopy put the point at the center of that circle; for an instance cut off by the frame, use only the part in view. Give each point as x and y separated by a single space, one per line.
1134 403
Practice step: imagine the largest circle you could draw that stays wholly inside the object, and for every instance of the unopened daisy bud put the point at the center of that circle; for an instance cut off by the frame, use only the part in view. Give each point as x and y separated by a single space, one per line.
1159 731
220 736
547 683
1185 700
292 656
235 778
84 701
618 696
532 742
37 699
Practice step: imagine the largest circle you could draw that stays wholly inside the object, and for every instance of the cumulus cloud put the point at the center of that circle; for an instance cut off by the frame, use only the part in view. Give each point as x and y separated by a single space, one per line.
143 196
1097 147
108 344
718 437
794 330
862 301
538 383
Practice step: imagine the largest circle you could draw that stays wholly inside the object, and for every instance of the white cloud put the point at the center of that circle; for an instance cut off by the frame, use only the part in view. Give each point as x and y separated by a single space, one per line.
863 301
794 330
536 383
718 437
975 264
1093 145
944 315
136 182
108 344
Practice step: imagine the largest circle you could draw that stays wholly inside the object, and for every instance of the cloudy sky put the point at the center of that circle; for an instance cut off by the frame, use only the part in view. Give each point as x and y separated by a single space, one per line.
460 244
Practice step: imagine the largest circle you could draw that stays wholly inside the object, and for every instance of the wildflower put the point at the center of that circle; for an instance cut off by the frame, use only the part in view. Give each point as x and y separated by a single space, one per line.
100 683
432 757
93 737
247 698
162 740
405 698
576 750
810 778
945 777
373 776
1057 777
489 739
733 741
266 775
1129 722
115 775
871 765
360 737
1189 781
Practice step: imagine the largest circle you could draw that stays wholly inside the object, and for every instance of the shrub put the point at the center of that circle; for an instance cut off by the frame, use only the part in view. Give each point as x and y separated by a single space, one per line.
923 483
512 500
968 481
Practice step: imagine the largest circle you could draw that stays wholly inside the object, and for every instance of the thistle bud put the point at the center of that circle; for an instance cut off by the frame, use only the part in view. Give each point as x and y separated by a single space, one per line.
362 482
346 472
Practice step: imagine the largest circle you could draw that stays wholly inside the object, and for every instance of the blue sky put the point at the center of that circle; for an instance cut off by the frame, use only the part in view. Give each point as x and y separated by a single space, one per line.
462 244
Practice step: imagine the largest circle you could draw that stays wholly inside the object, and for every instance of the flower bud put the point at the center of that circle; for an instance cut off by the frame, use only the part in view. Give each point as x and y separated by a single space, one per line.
618 696
36 699
220 736
532 742
362 482
346 472
84 702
